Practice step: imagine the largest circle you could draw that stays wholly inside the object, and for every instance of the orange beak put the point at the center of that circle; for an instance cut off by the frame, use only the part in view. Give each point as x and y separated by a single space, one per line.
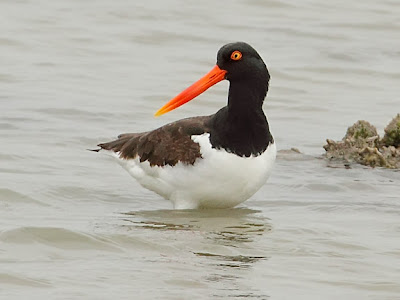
208 80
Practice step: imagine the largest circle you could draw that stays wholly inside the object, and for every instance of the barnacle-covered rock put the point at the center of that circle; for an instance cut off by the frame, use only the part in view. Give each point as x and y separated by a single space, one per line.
358 136
362 145
361 130
392 133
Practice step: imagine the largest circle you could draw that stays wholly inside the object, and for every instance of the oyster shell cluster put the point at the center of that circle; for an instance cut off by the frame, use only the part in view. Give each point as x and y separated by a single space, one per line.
363 145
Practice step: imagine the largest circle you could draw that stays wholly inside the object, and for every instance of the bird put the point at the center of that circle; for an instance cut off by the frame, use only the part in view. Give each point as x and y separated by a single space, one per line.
214 161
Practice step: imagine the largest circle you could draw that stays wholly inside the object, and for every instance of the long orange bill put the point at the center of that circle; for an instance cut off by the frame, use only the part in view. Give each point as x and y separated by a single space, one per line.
211 78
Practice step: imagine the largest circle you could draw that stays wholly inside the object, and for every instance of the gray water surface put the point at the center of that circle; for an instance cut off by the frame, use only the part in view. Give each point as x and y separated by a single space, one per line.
74 225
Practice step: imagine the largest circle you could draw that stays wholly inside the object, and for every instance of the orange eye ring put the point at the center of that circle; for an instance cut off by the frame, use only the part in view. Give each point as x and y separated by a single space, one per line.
236 55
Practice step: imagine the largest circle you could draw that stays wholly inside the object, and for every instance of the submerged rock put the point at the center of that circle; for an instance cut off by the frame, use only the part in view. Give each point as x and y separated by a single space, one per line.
362 144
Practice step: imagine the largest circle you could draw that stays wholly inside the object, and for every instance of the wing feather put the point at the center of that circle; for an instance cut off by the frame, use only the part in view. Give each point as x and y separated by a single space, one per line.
167 145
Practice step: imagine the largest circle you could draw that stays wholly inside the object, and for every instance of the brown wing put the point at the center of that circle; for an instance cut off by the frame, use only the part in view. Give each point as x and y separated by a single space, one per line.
166 145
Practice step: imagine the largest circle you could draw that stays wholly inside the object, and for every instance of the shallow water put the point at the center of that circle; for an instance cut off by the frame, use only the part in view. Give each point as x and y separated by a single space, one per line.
73 224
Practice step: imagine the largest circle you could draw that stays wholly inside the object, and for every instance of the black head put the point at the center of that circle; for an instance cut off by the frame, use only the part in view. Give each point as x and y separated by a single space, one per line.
242 66
242 62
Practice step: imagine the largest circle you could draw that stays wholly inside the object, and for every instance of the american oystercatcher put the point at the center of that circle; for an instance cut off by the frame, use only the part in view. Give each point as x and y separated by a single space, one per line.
215 161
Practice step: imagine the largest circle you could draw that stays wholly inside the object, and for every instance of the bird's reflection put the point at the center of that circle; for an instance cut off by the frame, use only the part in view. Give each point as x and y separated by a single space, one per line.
224 243
233 261
232 228
225 226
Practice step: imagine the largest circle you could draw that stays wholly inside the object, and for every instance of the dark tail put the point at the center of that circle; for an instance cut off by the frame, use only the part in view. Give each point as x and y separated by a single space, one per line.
115 145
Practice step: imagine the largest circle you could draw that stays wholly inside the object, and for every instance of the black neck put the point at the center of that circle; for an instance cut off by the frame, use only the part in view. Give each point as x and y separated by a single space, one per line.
241 127
246 95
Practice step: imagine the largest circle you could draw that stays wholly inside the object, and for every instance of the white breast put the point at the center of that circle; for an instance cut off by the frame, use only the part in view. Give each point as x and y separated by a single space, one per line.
219 180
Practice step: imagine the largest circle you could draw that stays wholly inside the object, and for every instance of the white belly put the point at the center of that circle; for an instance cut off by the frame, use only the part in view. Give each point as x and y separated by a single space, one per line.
219 180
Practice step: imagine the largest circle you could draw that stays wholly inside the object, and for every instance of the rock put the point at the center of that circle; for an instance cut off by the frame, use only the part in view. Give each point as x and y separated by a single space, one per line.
372 157
362 145
392 133
295 150
359 136
360 131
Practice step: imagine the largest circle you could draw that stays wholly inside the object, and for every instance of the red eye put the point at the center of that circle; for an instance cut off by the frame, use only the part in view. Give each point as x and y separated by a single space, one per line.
236 55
